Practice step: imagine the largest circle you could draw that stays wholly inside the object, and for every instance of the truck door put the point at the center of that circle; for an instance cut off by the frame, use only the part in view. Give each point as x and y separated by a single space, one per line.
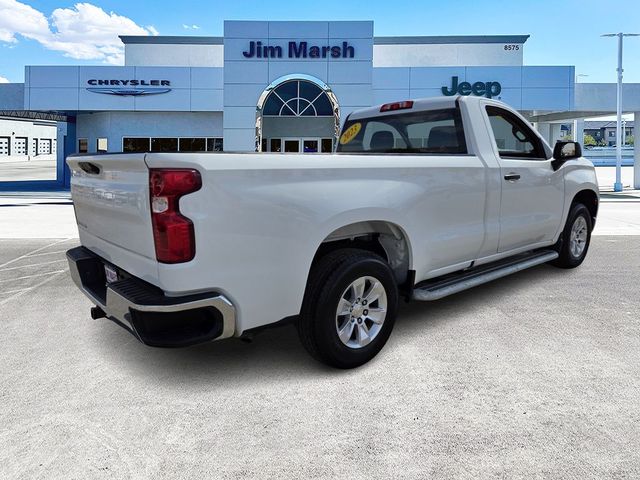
532 194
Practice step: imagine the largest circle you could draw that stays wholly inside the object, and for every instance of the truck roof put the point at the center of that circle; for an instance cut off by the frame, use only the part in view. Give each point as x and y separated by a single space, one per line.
433 103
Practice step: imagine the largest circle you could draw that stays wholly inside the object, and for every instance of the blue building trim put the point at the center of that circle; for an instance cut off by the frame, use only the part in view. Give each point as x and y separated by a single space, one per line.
33 185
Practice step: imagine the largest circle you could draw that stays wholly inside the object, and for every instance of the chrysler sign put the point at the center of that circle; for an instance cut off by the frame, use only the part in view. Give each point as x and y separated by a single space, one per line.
126 88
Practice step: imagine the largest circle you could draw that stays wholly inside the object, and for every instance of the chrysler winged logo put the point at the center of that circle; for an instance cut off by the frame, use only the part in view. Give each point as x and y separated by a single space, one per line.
132 87
129 92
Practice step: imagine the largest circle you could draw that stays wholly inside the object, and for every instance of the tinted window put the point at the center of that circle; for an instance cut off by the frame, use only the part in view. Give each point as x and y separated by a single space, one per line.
436 131
193 144
513 137
131 144
214 145
276 145
327 145
164 144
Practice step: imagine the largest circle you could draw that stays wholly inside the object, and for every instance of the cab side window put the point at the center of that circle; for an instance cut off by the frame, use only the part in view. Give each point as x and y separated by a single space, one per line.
514 138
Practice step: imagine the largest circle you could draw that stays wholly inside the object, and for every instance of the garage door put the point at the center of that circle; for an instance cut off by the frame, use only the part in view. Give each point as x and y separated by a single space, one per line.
44 146
20 146
4 145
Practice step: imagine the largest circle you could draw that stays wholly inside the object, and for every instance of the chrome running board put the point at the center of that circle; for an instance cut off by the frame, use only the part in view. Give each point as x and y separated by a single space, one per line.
438 288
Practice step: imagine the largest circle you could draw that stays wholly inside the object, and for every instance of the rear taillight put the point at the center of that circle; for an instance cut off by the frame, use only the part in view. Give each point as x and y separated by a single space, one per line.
173 233
390 107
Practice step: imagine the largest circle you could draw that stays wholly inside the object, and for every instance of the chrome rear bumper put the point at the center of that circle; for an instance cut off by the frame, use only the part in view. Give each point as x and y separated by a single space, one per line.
143 309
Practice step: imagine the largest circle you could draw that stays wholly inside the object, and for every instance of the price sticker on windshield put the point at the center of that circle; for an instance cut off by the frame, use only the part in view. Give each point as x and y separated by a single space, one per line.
350 133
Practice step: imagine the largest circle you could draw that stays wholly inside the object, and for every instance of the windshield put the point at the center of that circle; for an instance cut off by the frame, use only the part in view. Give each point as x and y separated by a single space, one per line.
435 131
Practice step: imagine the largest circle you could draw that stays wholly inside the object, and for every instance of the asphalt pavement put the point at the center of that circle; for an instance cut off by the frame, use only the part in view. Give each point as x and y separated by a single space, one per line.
32 169
534 376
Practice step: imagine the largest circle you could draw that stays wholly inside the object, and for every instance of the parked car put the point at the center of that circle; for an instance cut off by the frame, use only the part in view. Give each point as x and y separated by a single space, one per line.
422 199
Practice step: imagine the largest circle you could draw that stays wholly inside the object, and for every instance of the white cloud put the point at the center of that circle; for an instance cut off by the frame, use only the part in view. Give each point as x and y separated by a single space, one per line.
18 18
84 31
3 80
190 27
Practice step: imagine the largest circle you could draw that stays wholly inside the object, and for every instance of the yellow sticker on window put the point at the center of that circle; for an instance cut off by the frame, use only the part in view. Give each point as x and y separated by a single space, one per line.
350 133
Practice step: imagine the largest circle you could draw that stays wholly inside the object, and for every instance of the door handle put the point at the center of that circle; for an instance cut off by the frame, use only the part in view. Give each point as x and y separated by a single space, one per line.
512 177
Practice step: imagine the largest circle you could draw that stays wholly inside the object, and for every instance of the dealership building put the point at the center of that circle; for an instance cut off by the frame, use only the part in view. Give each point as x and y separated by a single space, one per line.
282 87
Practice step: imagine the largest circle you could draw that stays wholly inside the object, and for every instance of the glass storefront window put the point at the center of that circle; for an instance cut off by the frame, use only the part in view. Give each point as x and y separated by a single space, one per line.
132 144
164 144
193 144
214 145
310 146
291 146
170 144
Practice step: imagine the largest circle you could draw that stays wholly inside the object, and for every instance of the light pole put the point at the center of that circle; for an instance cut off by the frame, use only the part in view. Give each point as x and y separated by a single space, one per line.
617 187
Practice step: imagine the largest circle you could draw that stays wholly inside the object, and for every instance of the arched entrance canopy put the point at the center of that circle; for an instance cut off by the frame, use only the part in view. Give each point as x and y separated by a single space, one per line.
297 96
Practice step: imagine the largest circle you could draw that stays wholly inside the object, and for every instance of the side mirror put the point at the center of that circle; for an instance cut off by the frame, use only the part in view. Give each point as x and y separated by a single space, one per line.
564 151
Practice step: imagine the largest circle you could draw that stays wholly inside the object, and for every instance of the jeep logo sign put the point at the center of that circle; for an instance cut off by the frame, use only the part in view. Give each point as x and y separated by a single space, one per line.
486 89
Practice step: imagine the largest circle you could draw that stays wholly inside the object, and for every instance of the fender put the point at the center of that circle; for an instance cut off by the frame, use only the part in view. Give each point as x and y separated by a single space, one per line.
578 176
383 221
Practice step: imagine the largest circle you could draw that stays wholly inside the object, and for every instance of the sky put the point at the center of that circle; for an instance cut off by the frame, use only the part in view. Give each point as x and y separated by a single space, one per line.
562 32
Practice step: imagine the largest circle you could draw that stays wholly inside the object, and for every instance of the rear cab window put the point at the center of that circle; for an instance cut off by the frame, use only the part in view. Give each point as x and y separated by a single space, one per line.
431 131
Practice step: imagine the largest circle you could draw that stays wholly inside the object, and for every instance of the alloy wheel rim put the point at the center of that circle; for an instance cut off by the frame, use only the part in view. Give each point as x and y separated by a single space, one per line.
361 312
578 237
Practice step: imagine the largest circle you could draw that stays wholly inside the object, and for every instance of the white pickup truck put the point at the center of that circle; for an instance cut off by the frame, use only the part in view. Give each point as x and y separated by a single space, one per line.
422 199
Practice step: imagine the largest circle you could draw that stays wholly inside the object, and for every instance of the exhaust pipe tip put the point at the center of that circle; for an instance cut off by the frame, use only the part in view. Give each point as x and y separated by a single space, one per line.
97 312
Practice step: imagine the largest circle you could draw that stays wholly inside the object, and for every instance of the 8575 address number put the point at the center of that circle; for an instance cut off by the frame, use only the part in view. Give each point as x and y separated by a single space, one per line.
510 47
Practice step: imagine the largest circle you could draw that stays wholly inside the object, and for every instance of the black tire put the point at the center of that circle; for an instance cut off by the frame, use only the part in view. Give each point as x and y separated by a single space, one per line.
329 279
567 258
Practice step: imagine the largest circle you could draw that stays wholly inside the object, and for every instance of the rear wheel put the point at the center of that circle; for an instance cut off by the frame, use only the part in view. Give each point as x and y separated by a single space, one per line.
349 308
575 238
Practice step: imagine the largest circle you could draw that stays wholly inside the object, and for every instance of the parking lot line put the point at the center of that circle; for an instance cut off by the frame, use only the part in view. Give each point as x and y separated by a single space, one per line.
35 251
46 253
15 291
32 276
52 276
33 265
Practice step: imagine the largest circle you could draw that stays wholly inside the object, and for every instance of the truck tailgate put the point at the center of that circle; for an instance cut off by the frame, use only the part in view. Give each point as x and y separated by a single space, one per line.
111 199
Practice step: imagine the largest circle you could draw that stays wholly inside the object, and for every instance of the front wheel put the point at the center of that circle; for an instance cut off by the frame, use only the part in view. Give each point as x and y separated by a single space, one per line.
575 238
349 308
